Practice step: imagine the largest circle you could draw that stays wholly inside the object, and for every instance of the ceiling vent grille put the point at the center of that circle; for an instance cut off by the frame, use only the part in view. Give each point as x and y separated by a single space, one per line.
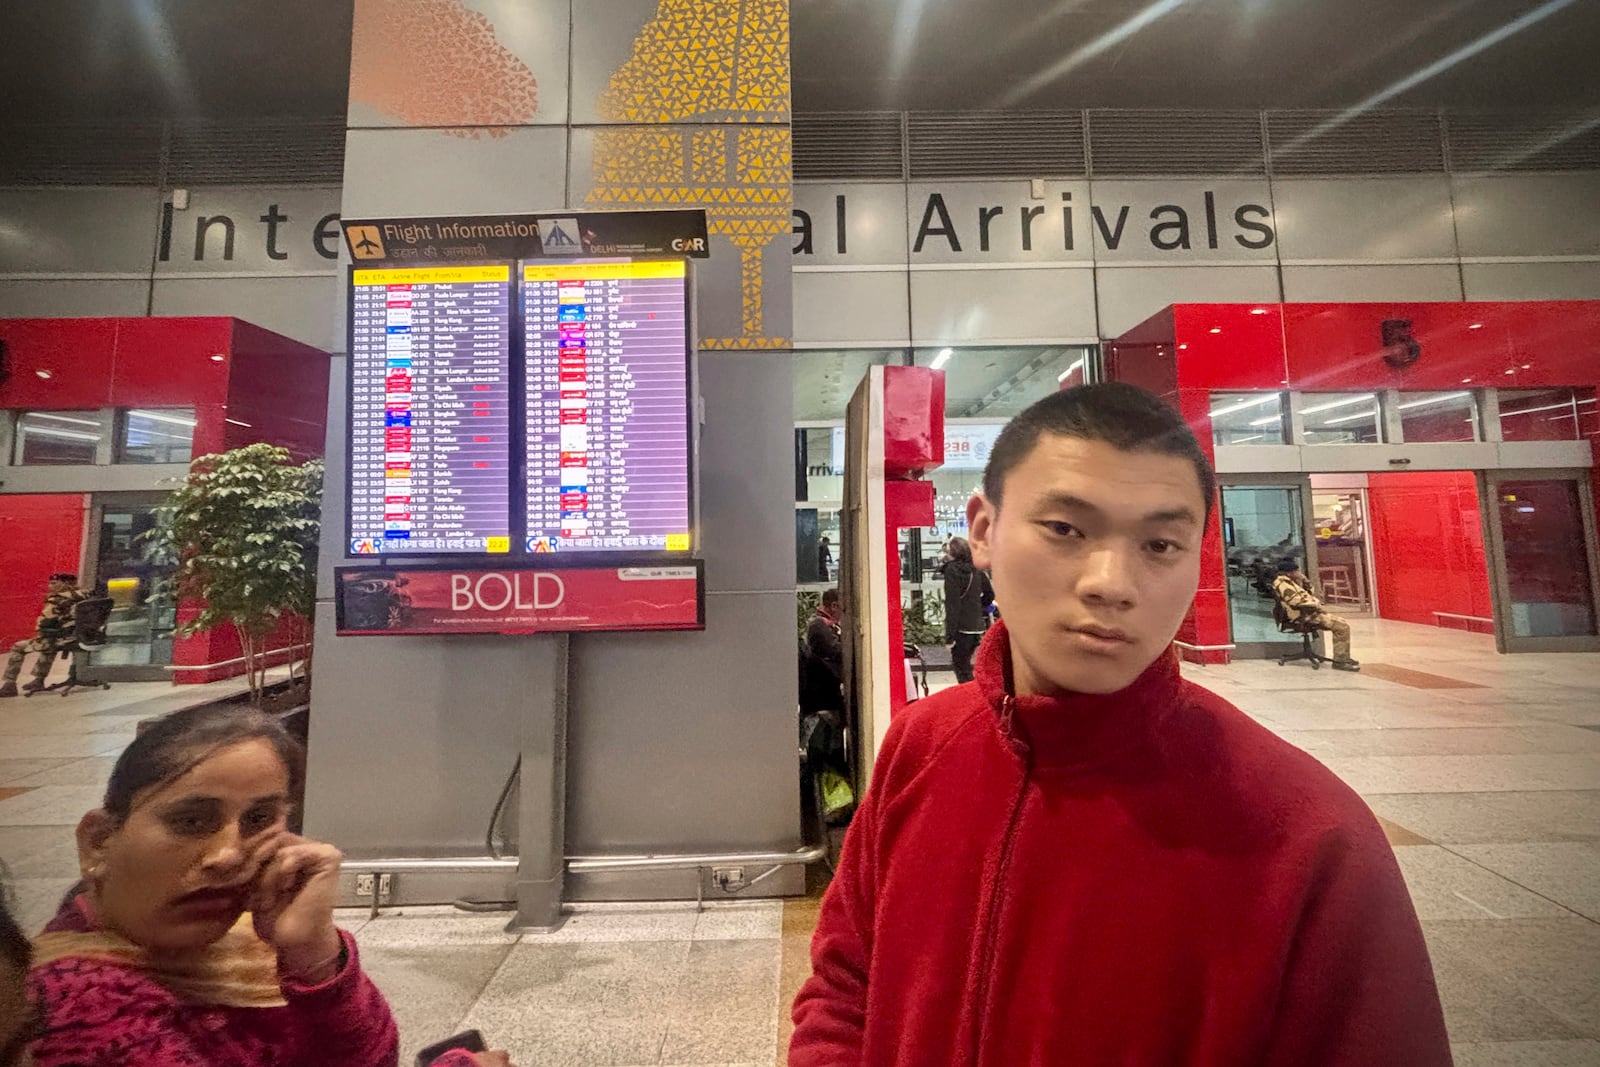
996 144
81 154
300 151
1144 143
1507 140
1371 142
849 145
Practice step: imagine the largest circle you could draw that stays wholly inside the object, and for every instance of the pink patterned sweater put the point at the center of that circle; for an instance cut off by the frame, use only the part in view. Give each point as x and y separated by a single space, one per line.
111 1016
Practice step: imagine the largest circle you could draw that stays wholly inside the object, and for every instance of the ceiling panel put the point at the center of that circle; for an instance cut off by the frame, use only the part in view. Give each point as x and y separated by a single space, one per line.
99 59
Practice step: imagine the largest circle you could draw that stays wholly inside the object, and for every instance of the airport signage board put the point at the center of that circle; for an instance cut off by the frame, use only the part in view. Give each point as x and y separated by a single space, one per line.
392 601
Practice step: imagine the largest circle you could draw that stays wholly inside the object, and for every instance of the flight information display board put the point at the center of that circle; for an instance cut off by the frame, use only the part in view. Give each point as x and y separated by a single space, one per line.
607 415
431 395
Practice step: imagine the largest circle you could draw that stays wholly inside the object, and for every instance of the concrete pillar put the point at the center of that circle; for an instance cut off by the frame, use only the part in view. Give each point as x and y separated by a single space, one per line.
674 742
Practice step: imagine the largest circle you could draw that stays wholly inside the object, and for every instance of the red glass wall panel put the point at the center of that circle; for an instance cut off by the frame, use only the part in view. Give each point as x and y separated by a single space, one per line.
1427 546
41 534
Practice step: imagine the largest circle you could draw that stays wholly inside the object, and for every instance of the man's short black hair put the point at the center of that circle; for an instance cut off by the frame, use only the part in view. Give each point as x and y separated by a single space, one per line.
830 597
1123 416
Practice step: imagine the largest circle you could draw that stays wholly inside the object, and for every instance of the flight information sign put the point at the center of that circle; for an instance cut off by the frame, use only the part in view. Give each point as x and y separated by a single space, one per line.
607 416
431 394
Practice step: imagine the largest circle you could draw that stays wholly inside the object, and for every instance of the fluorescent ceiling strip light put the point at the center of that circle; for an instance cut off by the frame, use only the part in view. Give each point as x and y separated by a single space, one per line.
62 418
1243 404
156 416
70 435
941 359
1547 407
1365 398
1433 400
1070 371
1270 420
1352 418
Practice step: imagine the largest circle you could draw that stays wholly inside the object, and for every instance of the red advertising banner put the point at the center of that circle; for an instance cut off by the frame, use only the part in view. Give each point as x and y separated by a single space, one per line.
513 600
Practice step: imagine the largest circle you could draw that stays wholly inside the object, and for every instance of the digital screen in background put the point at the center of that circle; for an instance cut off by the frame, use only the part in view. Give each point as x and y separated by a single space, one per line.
430 410
607 419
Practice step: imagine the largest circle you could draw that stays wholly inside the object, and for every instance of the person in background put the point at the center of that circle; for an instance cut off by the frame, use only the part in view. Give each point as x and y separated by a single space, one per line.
1293 589
1084 859
17 1017
202 931
967 596
825 558
824 637
52 629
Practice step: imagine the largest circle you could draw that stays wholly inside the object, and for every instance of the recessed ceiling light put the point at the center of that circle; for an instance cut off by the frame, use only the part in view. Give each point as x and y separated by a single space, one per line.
1511 370
47 375
1258 311
1464 381
218 358
1182 348
1476 326
1216 329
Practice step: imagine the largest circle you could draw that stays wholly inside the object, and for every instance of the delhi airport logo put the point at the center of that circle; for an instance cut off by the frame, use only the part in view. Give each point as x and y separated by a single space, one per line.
558 238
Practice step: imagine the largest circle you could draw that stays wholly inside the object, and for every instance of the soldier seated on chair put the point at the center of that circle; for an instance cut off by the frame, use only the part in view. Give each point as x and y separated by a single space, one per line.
1293 589
54 629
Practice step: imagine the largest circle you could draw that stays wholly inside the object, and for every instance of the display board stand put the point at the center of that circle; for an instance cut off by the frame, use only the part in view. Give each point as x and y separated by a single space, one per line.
542 801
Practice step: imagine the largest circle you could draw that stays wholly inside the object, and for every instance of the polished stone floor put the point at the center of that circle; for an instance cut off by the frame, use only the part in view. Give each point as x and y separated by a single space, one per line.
1484 768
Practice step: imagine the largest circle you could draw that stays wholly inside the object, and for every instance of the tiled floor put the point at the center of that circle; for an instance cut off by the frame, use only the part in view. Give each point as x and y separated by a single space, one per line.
1490 795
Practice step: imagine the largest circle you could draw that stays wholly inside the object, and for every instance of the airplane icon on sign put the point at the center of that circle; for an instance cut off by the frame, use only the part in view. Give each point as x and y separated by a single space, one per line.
370 244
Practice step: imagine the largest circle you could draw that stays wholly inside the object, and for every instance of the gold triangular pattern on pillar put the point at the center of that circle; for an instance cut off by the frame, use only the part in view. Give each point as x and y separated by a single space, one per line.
724 62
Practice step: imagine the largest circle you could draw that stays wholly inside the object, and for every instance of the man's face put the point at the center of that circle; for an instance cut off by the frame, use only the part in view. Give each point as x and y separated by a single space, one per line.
57 586
1095 555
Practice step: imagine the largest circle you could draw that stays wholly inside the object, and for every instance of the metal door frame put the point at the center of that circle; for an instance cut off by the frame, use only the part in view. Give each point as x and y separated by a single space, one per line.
1297 480
1489 482
99 503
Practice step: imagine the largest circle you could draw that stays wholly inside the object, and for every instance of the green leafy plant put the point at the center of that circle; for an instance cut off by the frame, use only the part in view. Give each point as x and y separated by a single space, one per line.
922 619
242 533
805 606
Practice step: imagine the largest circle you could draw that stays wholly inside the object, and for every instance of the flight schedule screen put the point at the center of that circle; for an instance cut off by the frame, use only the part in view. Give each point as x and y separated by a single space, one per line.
431 392
606 372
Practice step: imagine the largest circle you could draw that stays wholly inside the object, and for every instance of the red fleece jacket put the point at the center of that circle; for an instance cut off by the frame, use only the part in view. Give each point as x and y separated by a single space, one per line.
1144 878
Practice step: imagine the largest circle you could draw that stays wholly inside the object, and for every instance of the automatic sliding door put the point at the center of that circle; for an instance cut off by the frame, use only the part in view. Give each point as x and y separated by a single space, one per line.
1261 525
1542 537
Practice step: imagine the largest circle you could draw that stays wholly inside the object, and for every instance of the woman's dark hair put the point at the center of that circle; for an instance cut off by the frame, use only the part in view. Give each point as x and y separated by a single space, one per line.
174 745
15 948
959 549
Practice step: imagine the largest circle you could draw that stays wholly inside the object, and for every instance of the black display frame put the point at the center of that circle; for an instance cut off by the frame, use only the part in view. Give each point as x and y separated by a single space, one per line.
518 465
350 399
617 556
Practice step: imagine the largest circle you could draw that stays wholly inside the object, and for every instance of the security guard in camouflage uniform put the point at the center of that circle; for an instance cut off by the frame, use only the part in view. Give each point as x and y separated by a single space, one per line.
1293 590
54 628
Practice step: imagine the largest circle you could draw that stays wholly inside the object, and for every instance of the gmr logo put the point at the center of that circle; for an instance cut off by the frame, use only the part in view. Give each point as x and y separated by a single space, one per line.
688 244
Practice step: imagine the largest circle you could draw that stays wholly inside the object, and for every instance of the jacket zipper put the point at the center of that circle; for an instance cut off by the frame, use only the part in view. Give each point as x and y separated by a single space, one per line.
991 934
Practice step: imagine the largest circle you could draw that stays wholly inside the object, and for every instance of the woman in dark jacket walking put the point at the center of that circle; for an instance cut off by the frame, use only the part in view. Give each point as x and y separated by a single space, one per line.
967 596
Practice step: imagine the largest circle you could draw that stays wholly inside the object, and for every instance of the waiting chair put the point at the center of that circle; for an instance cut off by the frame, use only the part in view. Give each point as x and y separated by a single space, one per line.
89 619
1289 622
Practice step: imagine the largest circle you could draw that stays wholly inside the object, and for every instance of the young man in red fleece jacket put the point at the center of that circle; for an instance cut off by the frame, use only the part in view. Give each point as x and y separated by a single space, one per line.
1080 858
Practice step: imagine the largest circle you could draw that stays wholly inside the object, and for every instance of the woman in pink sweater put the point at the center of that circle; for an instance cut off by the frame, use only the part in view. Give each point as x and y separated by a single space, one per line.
202 932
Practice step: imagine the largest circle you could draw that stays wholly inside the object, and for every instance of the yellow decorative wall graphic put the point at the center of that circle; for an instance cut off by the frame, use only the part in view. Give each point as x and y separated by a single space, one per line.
707 61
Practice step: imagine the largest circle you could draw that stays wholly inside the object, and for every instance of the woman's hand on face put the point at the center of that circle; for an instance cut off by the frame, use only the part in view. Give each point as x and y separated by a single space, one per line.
296 889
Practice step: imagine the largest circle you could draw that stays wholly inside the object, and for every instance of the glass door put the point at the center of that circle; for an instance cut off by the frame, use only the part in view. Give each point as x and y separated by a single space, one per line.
1343 573
1542 560
143 619
1262 523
